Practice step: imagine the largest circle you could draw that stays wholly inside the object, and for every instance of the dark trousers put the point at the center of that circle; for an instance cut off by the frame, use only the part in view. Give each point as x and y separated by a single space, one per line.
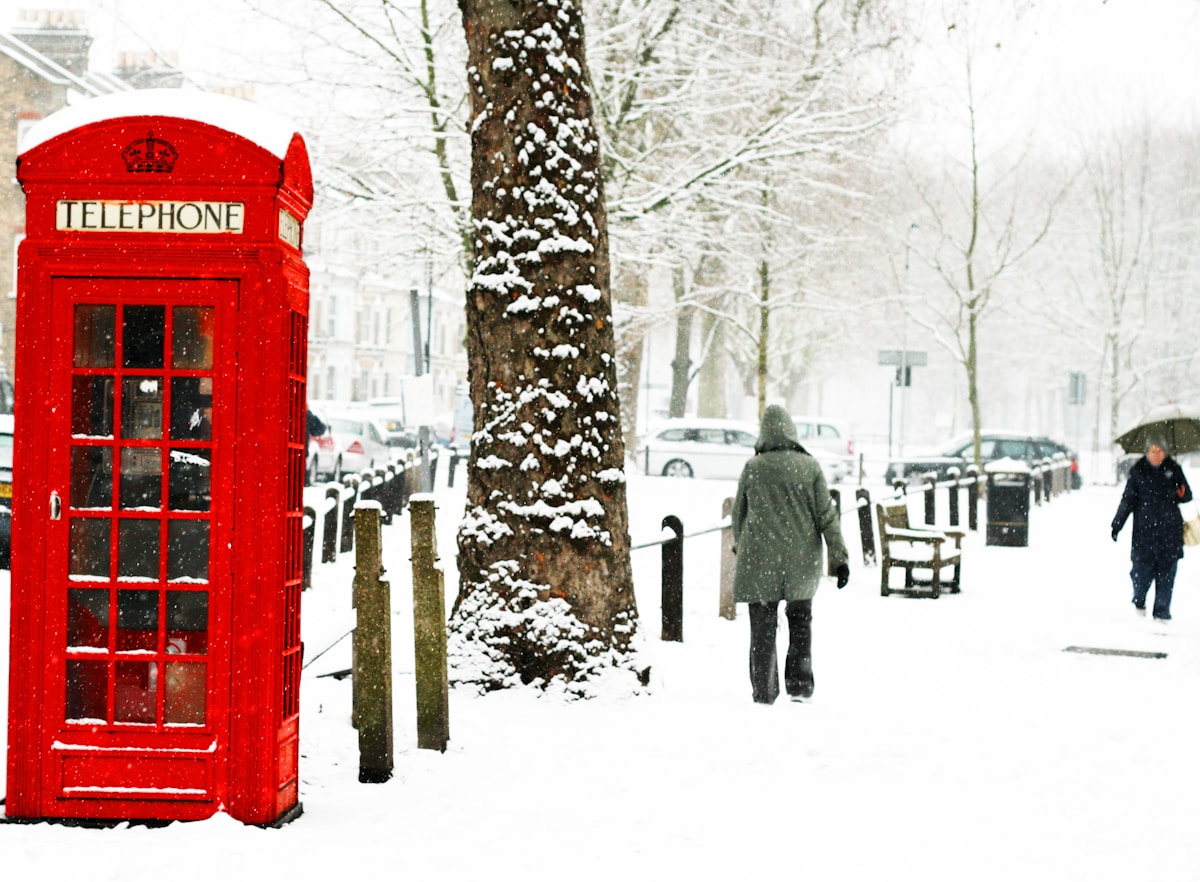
1160 571
797 667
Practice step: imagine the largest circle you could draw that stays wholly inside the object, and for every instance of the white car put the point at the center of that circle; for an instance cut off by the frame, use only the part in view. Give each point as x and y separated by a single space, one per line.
710 448
697 448
352 444
830 441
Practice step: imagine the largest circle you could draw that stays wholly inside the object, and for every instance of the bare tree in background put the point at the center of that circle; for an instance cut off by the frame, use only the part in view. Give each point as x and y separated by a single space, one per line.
975 229
546 590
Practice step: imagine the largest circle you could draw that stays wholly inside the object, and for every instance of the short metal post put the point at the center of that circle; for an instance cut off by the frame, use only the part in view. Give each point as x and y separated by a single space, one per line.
429 630
348 502
866 525
953 474
672 581
372 650
310 538
727 608
973 498
835 496
329 532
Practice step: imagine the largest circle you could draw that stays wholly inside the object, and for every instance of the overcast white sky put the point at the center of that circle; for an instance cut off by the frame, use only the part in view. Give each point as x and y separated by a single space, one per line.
1067 63
1064 58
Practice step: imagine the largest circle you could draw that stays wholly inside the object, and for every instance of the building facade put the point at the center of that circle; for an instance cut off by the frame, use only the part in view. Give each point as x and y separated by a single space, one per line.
361 330
43 68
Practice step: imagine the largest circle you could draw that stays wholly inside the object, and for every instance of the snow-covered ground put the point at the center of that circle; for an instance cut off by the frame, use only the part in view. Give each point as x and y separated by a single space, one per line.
949 739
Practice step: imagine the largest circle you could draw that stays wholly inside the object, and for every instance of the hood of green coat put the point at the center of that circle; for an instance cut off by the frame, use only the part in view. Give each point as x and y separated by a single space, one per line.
777 432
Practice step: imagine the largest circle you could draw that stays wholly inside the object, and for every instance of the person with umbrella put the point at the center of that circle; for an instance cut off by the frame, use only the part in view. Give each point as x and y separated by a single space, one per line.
1153 493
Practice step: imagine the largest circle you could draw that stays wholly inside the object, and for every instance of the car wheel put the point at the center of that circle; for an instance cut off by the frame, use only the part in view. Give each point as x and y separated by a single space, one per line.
677 468
337 471
310 478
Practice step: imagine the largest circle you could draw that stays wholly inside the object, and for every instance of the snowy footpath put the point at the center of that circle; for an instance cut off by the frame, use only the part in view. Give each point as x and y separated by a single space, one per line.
949 739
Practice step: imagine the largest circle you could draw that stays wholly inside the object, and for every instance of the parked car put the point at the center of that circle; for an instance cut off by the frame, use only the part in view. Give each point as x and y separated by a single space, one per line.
958 453
388 414
697 448
710 448
354 442
1050 447
6 461
822 434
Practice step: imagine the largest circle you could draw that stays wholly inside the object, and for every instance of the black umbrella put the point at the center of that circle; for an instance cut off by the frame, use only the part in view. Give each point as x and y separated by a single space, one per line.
1177 424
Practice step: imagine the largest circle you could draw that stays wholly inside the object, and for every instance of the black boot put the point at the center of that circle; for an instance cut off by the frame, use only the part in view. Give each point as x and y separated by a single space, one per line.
797 669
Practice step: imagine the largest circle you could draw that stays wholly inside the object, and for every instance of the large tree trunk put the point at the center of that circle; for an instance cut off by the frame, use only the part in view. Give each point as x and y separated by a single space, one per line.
546 590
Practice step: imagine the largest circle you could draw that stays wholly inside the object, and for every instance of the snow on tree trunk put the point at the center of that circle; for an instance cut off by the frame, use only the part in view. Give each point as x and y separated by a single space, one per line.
545 588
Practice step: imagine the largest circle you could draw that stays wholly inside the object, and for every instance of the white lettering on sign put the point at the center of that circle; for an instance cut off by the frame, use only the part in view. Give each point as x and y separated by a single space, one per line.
107 216
289 228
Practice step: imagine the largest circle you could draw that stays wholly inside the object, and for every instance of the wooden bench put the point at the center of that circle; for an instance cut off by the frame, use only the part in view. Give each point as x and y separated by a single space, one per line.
917 548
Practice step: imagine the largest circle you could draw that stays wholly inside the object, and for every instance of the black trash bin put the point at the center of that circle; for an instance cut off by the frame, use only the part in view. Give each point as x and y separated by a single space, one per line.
1008 508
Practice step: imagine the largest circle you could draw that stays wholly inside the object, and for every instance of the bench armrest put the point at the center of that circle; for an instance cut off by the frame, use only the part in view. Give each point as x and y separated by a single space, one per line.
915 535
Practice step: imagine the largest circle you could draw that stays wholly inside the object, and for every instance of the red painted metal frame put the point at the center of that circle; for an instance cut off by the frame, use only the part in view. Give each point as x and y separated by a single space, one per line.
244 759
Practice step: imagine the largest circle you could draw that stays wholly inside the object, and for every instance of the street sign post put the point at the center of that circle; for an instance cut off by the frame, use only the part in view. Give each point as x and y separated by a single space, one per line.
904 360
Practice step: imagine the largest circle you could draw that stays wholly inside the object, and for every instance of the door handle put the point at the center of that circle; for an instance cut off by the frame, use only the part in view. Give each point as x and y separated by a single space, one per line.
55 506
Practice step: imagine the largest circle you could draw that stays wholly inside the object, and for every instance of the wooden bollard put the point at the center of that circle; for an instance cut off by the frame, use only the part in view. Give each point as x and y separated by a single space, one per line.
429 629
930 480
372 649
672 581
727 609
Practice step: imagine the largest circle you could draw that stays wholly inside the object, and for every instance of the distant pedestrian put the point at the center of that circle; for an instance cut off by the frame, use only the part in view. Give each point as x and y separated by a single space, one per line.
314 428
1153 493
780 515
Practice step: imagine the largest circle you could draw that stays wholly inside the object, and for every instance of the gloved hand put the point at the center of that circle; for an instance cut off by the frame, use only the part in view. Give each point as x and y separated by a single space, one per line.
843 575
1115 532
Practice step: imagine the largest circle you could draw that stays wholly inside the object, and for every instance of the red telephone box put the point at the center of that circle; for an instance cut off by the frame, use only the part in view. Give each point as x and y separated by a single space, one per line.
160 421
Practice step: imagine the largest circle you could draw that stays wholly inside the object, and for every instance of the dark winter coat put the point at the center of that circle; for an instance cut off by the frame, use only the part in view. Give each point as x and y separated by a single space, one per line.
780 515
1152 495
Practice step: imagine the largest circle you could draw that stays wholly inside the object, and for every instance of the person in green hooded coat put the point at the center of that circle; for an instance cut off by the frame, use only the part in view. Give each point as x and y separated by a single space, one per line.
781 514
